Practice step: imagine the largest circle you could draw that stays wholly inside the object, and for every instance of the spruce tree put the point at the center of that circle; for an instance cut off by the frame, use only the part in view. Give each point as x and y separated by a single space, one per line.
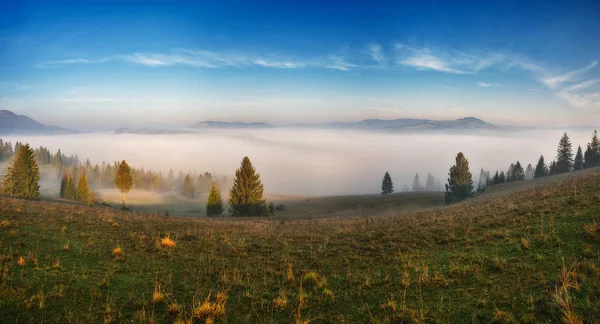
63 185
22 175
214 205
564 155
529 172
188 187
83 191
541 170
387 187
123 180
592 154
417 183
430 183
552 168
578 163
246 195
460 181
70 190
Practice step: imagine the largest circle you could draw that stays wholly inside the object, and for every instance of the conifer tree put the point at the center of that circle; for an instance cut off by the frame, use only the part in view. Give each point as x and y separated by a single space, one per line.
70 190
552 168
387 187
578 163
460 181
564 155
22 175
214 205
63 185
502 178
246 195
541 170
123 180
417 183
430 183
592 154
83 191
188 187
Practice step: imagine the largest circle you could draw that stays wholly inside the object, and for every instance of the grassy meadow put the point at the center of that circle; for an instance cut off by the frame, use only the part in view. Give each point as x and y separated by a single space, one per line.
514 255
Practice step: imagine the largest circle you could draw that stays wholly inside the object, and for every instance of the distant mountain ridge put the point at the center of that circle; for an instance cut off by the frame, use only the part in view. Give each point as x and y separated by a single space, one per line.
11 123
220 124
151 131
416 124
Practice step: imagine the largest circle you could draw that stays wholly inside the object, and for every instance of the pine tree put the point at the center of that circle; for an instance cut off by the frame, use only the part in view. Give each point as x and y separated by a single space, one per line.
564 155
430 183
578 163
552 168
541 170
529 172
517 172
188 187
387 187
417 183
70 190
502 178
592 154
83 191
22 175
214 205
63 185
460 181
246 195
123 180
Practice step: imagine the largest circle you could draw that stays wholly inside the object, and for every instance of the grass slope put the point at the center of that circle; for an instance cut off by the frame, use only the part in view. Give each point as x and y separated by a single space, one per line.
524 256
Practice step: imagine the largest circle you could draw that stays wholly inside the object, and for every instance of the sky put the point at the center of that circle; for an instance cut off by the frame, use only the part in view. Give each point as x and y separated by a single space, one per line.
92 65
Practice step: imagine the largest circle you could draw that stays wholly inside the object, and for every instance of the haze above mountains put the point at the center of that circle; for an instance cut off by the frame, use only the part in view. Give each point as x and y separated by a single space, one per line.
11 123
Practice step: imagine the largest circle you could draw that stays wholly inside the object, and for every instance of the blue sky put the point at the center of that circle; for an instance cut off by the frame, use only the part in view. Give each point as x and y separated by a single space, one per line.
110 64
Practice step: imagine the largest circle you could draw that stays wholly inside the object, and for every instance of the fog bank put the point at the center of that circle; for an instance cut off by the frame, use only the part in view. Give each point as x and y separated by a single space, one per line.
313 161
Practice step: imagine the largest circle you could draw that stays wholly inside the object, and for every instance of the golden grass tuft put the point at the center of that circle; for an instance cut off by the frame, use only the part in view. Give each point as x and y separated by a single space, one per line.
5 224
21 261
290 275
157 295
593 230
562 297
208 310
173 309
167 242
281 301
117 252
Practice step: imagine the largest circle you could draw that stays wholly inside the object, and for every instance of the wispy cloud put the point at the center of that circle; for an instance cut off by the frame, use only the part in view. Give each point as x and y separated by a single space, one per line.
86 99
338 63
49 64
426 60
377 54
448 62
555 81
486 85
451 88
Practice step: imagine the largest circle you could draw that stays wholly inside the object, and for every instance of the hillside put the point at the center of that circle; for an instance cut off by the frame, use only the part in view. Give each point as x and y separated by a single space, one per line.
515 256
11 123
410 124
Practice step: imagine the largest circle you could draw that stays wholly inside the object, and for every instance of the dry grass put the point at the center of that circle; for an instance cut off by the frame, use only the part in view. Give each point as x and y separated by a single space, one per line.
167 242
497 257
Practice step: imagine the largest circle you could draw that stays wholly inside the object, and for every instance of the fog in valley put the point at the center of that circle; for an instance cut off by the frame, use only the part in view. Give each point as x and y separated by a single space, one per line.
314 162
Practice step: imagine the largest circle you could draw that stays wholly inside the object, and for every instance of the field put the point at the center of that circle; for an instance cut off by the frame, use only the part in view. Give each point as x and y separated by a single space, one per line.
525 252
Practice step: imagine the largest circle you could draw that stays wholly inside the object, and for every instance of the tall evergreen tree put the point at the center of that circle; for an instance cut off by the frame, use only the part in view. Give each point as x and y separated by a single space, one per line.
417 183
578 163
83 191
246 195
63 185
214 205
123 180
460 181
529 172
22 175
188 187
541 170
430 183
552 168
387 187
592 154
70 189
564 155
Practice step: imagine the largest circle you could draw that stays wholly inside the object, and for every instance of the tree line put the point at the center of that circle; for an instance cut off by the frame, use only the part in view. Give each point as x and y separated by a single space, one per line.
460 184
21 179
